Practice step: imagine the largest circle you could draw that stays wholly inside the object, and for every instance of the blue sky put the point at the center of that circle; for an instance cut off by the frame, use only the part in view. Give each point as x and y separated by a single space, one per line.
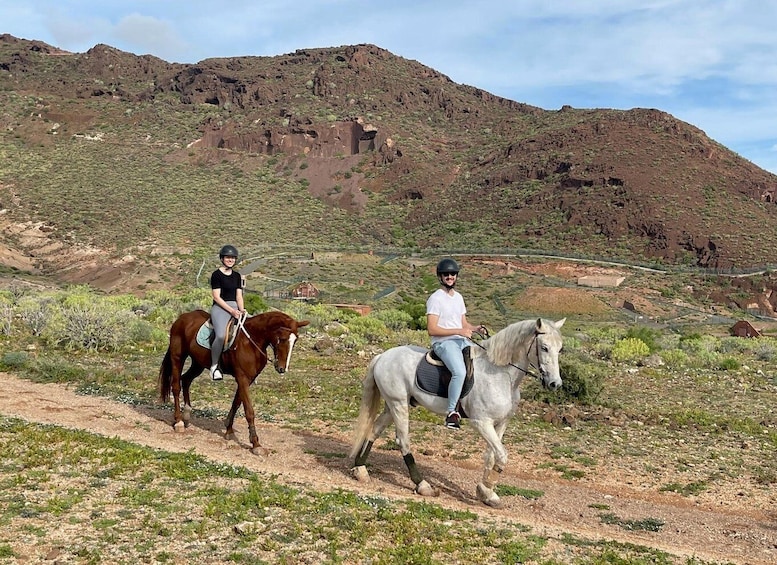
712 63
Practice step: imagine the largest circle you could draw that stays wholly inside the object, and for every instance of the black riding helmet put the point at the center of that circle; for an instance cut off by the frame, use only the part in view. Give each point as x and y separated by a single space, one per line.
447 265
228 251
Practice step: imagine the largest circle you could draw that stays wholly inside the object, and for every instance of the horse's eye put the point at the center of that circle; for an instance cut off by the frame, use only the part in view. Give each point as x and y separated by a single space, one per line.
545 348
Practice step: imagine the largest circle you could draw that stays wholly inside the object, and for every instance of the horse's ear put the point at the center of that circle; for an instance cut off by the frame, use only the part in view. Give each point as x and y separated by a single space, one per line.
539 325
303 323
559 323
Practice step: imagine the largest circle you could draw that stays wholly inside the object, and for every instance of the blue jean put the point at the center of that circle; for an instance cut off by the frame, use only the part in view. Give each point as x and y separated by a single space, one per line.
450 351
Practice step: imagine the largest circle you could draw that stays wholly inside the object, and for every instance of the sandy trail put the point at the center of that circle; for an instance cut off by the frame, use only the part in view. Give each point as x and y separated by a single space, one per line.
724 534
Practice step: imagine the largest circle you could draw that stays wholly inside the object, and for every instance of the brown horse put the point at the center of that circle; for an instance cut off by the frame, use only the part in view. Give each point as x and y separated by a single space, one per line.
244 361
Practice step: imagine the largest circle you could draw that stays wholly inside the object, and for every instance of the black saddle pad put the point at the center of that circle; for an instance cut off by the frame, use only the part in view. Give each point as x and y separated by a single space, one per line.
434 380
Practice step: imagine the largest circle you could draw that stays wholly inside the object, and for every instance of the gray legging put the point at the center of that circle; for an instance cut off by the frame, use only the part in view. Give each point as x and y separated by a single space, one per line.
219 318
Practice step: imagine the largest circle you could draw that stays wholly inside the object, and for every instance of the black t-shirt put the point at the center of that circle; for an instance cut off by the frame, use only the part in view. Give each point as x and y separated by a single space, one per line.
227 283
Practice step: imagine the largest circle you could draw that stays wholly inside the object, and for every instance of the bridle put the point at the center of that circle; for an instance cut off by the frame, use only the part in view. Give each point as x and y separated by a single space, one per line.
241 327
534 341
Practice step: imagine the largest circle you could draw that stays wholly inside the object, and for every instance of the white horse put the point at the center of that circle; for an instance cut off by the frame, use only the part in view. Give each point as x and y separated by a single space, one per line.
523 348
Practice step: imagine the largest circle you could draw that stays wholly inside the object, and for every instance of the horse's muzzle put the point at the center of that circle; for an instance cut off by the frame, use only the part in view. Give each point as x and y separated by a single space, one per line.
280 370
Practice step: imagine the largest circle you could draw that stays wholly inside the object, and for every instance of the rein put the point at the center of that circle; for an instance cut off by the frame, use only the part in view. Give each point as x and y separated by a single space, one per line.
525 371
241 327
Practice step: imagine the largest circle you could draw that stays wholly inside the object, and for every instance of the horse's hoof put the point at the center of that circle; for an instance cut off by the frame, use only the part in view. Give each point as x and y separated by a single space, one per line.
360 474
260 451
495 502
179 426
229 436
488 496
425 489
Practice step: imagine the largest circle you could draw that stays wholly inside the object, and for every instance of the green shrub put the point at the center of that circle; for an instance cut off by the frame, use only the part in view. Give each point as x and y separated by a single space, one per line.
195 299
583 381
163 298
354 341
123 302
6 319
674 358
394 320
77 296
705 359
629 350
14 360
90 327
730 364
734 345
163 316
300 311
141 331
417 313
370 329
602 340
35 313
254 303
54 369
322 314
765 350
648 336
702 350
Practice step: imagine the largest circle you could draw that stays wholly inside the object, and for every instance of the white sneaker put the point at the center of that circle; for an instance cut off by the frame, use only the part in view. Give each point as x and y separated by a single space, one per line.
215 374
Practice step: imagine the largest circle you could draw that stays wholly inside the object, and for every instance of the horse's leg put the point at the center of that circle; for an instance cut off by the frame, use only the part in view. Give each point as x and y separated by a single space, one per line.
494 460
230 421
187 378
243 396
381 423
176 361
400 413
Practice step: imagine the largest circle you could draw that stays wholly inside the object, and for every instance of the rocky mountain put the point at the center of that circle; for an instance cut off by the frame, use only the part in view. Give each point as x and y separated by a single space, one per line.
351 146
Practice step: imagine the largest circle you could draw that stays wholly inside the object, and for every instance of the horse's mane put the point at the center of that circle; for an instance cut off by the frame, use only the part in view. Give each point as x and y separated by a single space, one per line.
269 318
502 346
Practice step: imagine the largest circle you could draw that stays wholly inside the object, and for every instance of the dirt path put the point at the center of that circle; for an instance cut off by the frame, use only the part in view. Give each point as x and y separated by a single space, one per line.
723 534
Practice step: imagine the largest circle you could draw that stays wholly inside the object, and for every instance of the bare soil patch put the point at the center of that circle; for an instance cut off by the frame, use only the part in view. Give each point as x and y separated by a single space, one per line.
720 530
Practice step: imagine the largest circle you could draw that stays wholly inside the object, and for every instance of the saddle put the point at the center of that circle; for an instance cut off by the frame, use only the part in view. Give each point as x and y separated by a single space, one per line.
206 334
433 376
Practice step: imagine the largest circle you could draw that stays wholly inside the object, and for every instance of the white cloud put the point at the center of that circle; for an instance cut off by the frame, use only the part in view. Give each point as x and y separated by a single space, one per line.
149 35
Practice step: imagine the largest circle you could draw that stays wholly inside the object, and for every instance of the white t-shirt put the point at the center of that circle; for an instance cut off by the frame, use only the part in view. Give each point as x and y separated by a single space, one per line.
448 308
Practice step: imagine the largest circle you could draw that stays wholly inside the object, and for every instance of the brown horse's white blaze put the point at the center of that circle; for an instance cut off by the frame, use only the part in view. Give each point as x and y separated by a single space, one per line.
524 348
292 341
244 361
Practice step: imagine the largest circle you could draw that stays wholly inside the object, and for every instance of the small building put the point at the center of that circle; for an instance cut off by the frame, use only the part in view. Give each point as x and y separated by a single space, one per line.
600 281
743 328
305 291
361 309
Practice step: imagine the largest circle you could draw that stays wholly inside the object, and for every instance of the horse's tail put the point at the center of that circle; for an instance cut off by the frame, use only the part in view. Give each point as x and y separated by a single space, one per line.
368 412
165 377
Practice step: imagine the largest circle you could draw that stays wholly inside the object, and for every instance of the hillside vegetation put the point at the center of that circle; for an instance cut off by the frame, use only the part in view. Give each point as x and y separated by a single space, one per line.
136 160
